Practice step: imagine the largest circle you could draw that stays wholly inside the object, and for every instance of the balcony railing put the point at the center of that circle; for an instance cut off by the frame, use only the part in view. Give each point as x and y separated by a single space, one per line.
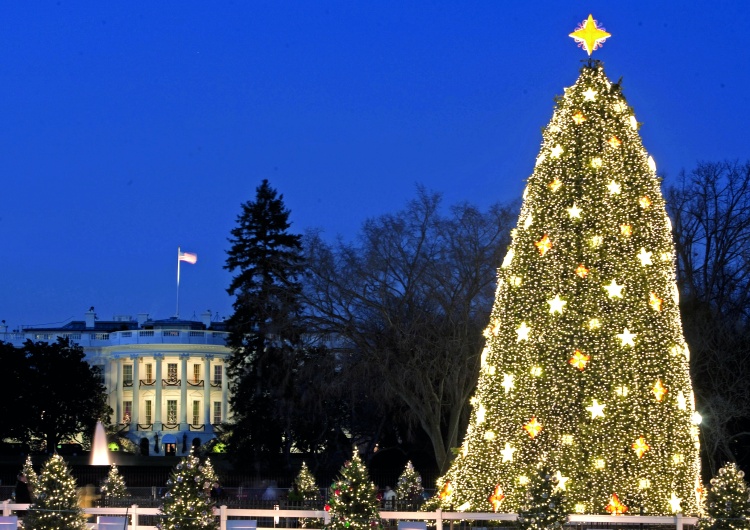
116 338
195 383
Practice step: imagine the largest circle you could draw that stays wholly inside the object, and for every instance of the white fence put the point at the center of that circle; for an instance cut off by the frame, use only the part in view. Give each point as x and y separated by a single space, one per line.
437 518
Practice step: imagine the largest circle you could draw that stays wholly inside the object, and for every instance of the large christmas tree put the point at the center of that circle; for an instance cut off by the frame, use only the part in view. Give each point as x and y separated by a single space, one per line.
585 366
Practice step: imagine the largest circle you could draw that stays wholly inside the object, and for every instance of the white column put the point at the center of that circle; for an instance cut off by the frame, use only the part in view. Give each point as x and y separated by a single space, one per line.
207 393
183 392
158 358
224 392
136 387
118 385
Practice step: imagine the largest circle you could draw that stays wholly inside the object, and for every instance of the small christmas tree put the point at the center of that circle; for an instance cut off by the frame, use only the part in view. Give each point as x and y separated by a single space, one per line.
353 499
545 505
187 503
306 490
212 479
409 488
113 486
56 502
727 505
305 484
28 471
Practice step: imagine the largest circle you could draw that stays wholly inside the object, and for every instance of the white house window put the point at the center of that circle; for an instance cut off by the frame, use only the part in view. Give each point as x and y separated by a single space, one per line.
147 407
217 374
217 412
172 371
149 373
127 411
196 373
196 412
127 375
172 411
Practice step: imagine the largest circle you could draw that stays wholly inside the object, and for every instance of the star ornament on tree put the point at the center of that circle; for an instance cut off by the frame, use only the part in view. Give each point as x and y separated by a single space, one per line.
508 452
640 446
496 498
589 35
544 245
533 427
556 304
579 360
615 507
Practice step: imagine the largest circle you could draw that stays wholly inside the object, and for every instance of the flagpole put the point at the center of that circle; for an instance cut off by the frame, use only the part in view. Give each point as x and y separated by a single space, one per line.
177 313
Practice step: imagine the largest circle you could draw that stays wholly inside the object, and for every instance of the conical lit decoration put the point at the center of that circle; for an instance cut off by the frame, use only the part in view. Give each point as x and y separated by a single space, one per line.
606 317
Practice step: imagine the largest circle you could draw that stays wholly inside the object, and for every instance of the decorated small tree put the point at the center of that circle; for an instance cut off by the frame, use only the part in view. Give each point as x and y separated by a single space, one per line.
353 499
727 506
409 488
28 471
305 484
306 490
187 503
545 506
113 486
56 502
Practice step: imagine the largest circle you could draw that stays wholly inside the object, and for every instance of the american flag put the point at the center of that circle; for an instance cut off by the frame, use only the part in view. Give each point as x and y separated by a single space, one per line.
187 256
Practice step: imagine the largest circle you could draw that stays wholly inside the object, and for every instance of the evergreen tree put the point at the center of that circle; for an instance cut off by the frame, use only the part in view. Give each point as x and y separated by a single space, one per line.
727 505
56 501
264 328
306 490
409 489
305 484
544 506
187 503
113 487
31 477
585 366
353 501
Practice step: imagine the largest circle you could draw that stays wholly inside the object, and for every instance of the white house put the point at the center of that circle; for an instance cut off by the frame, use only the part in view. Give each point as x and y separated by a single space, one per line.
165 379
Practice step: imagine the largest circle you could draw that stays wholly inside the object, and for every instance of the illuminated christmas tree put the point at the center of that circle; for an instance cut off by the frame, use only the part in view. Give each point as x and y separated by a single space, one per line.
585 367
353 499
113 486
56 501
545 505
188 504
28 471
305 484
727 505
409 489
307 492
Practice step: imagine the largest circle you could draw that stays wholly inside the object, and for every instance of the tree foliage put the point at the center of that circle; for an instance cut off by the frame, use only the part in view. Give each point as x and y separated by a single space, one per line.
405 307
710 208
56 393
265 332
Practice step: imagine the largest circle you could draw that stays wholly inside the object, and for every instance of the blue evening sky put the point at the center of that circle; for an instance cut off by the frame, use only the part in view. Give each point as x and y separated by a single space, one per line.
130 128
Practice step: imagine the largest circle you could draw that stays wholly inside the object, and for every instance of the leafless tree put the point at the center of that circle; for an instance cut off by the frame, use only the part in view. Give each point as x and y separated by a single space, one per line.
710 207
407 305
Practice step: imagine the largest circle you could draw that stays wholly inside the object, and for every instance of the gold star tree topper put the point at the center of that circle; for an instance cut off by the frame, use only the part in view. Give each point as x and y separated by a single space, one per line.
590 36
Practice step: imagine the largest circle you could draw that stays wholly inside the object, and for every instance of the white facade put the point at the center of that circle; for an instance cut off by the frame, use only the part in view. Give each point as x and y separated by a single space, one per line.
166 380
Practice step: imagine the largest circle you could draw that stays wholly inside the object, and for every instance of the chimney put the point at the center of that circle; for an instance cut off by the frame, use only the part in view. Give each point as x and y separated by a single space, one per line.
90 317
206 318
142 317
